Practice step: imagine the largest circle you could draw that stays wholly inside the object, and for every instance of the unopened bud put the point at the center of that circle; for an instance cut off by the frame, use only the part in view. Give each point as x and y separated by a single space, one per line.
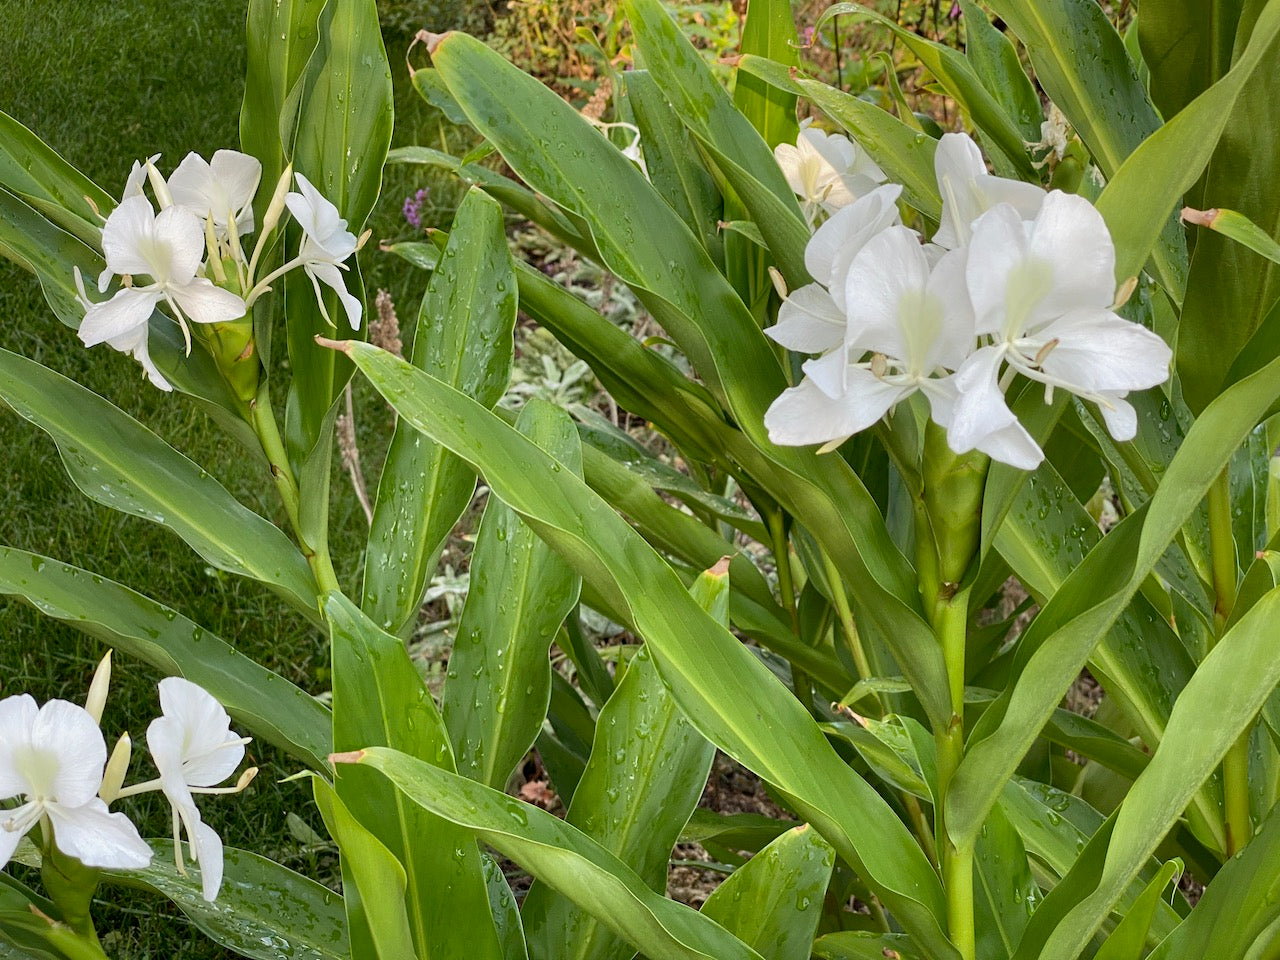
246 778
117 767
1125 292
98 687
779 283
364 238
271 219
158 186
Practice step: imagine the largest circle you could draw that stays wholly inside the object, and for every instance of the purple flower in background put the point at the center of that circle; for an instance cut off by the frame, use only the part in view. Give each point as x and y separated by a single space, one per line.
412 209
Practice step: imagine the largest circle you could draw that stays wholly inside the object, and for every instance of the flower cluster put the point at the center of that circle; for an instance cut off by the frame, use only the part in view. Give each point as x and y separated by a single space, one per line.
184 251
1015 280
53 761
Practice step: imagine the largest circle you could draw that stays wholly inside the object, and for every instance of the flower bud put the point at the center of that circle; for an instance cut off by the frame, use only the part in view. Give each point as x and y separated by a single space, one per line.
953 488
159 187
117 767
98 687
275 208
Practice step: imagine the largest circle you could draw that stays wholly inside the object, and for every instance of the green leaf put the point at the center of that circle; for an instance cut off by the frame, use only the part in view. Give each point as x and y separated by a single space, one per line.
995 60
30 167
343 131
374 882
1070 625
119 463
565 859
718 684
1186 47
379 700
960 81
264 910
1174 157
640 238
647 769
273 708
1129 939
1239 228
499 681
774 901
1004 892
1082 64
1233 682
1237 915
769 31
463 336
904 153
859 945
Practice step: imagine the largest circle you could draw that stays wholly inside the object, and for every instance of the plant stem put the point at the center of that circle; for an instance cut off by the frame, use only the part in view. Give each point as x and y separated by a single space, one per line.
847 626
786 587
1235 765
950 617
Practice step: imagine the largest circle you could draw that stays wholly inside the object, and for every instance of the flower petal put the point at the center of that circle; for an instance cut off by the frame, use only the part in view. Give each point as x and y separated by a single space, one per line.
1070 234
808 321
179 236
1120 417
208 752
127 229
330 275
9 840
891 266
66 730
238 174
1099 351
202 302
208 853
98 838
135 342
128 310
804 414
835 244
17 714
996 252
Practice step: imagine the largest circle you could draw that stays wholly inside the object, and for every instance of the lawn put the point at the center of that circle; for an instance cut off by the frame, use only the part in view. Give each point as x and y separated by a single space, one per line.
105 84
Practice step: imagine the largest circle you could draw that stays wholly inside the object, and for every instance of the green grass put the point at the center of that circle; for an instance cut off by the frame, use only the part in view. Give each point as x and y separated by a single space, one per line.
105 84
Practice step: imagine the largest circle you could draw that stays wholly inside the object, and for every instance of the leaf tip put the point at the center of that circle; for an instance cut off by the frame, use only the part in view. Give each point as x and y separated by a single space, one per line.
721 568
351 756
343 345
1201 218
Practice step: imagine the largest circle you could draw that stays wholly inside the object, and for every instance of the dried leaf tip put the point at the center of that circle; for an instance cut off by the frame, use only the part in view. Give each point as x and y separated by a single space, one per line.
721 567
351 756
343 345
1202 218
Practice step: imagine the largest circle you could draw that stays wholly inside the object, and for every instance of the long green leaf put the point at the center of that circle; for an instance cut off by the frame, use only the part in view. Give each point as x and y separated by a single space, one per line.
564 858
994 59
1004 892
1070 625
30 166
1082 64
273 708
640 239
752 904
647 769
463 336
719 685
121 464
1232 683
264 910
499 681
379 700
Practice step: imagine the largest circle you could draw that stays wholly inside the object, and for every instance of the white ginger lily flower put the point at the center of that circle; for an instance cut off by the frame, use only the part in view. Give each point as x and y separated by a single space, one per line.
812 318
826 171
194 749
133 341
133 184
968 191
221 189
53 757
325 245
1042 290
915 322
167 247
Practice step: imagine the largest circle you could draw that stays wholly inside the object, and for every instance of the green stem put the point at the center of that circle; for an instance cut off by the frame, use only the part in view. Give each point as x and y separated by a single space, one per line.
786 586
263 417
1235 765
847 626
950 618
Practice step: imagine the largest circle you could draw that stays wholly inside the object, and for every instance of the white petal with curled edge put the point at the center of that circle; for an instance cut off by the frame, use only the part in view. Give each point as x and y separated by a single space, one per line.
129 309
208 853
1120 417
166 741
8 844
238 174
1004 439
999 274
319 218
135 343
17 714
808 321
805 415
202 302
98 838
890 271
1099 351
1069 233
206 749
127 229
137 174
834 244
330 275
179 245
66 730
980 407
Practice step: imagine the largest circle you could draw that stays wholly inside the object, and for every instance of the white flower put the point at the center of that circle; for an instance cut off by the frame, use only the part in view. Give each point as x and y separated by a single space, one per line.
222 188
133 183
194 749
826 171
326 243
812 318
968 191
915 322
168 248
53 757
1042 292
133 341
